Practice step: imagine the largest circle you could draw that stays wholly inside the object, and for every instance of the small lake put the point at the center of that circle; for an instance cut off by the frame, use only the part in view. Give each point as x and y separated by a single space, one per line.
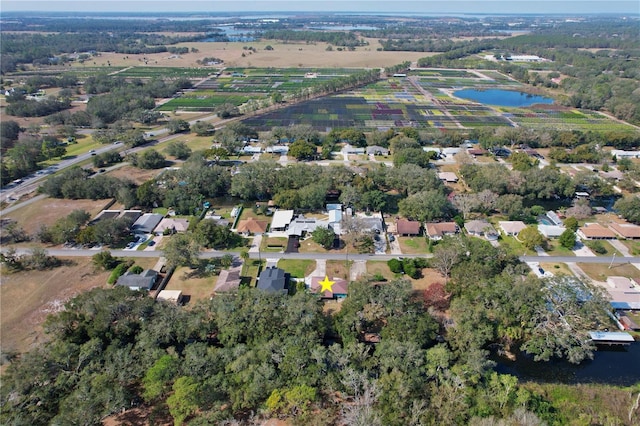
613 365
502 97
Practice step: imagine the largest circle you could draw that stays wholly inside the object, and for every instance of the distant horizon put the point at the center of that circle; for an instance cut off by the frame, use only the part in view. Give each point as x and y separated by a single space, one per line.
402 7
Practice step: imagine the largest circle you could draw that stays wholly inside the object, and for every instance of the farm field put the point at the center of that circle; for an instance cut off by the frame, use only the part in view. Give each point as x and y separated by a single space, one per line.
425 99
238 86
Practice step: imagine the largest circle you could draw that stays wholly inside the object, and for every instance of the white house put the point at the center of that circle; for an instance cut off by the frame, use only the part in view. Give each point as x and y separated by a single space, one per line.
281 220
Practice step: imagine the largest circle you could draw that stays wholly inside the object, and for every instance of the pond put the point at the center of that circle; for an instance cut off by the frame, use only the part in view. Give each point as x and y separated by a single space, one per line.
500 97
613 365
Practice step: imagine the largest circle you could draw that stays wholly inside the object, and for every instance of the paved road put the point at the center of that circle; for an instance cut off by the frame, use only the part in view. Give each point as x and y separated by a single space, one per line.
329 256
32 182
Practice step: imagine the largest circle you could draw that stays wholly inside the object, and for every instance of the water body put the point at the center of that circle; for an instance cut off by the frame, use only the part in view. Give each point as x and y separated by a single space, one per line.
613 365
500 97
343 27
233 34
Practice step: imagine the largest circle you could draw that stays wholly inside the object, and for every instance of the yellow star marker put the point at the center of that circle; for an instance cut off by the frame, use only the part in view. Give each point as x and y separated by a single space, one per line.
326 284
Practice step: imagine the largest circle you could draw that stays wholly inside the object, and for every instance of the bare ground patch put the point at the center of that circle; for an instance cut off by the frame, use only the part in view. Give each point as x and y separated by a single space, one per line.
26 298
134 174
46 211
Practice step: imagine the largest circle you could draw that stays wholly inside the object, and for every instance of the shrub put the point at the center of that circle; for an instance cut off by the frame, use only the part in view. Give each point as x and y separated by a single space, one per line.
136 269
118 271
395 266
597 246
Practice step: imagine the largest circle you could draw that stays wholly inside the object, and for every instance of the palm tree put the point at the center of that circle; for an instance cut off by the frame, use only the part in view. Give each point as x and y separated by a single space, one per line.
244 255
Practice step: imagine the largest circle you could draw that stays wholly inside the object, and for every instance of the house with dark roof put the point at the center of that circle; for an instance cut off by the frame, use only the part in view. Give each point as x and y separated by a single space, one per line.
407 228
146 223
273 280
143 281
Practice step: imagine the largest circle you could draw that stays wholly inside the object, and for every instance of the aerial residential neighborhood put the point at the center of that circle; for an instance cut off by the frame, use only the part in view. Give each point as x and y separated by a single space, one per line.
328 220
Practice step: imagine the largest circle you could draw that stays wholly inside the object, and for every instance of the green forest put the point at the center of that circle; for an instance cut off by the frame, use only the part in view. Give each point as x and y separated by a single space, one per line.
388 357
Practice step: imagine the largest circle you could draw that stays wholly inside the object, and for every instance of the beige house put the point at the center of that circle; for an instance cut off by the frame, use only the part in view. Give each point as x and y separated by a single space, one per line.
436 230
595 231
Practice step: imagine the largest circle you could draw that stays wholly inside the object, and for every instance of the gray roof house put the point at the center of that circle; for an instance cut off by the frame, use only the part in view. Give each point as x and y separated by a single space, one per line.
146 223
273 280
142 281
481 228
377 150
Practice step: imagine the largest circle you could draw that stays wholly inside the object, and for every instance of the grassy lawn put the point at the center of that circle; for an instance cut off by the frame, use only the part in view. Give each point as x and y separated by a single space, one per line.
413 245
379 267
196 143
310 246
84 145
633 246
250 271
600 271
273 244
514 246
555 249
609 249
298 268
192 288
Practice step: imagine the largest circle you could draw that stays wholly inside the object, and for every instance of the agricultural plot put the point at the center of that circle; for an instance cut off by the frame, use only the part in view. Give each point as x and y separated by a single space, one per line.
424 100
239 85
541 117
196 101
165 72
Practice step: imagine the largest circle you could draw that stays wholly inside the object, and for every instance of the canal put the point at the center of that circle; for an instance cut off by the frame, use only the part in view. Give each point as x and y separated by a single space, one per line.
612 365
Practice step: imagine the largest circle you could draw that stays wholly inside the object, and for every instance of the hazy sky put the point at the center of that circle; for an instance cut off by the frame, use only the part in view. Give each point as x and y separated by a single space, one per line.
416 6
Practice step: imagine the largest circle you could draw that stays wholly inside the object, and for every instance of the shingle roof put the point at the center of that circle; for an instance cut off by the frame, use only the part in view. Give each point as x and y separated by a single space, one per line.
144 280
228 280
626 230
273 280
441 228
595 230
339 286
408 227
252 225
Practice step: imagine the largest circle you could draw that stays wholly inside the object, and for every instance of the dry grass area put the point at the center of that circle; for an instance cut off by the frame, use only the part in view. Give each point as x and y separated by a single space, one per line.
337 269
556 268
134 174
26 298
283 55
600 271
193 288
429 276
47 210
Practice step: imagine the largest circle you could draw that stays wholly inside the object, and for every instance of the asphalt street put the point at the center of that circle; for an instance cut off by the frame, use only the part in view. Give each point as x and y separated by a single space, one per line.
327 256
